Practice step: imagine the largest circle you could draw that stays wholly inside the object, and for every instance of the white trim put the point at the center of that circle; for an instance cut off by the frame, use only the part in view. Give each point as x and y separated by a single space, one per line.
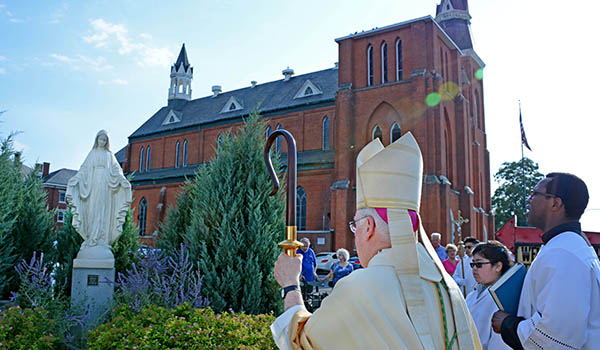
392 132
171 118
64 193
232 101
373 132
308 84
58 214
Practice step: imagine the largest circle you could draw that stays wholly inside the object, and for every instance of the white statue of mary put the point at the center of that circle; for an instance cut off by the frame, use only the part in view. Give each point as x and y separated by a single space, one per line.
99 196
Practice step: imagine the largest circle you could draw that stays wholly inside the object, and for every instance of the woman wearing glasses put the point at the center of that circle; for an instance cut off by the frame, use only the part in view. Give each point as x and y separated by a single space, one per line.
490 261
341 268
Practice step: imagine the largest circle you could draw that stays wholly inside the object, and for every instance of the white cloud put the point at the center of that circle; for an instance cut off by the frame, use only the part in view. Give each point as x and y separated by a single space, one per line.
98 64
16 20
105 34
2 58
18 146
57 15
2 71
62 58
113 82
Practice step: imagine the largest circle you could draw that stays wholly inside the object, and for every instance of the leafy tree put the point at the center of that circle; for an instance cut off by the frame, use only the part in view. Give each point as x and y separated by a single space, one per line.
9 181
126 245
509 198
26 224
69 242
231 225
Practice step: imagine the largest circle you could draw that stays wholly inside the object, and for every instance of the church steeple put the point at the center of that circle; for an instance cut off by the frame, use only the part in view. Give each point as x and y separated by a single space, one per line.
181 77
453 16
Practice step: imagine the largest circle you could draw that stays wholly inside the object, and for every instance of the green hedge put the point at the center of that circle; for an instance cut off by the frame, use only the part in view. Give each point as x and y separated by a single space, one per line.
182 328
27 329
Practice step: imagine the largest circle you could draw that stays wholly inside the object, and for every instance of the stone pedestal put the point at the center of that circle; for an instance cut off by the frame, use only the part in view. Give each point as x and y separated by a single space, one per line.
89 288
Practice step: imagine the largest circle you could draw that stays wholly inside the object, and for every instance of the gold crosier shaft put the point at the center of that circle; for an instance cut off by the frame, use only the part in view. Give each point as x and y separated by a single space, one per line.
291 244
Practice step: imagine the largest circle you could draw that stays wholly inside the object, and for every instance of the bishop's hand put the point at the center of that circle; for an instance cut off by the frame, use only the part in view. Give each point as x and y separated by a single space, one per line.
287 270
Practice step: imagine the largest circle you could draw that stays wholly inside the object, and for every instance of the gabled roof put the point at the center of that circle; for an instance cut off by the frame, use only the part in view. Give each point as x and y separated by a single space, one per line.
59 177
269 97
120 155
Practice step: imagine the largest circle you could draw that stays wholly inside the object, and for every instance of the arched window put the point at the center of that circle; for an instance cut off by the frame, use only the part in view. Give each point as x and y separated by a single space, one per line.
219 142
185 153
395 132
475 107
177 155
370 65
142 216
326 133
278 142
301 208
384 61
398 59
377 133
268 132
148 158
142 159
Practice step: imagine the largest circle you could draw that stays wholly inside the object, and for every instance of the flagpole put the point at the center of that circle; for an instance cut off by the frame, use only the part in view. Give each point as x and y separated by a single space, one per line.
523 164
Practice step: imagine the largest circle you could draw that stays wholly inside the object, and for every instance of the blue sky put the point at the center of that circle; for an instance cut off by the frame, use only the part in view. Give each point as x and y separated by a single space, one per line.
71 68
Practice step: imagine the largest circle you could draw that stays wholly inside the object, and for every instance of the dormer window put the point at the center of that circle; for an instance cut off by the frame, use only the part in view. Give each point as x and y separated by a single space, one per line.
308 89
171 118
233 104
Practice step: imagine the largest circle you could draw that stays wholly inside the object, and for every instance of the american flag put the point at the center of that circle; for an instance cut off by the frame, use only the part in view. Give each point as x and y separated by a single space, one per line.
523 137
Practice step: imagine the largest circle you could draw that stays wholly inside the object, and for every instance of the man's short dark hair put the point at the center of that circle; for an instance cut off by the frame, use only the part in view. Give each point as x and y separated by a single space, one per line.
471 240
572 190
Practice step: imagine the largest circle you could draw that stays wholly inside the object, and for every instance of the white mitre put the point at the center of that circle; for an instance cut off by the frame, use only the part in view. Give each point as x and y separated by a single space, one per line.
390 177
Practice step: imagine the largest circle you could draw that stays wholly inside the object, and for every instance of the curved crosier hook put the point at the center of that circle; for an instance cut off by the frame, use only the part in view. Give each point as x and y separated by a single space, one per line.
290 245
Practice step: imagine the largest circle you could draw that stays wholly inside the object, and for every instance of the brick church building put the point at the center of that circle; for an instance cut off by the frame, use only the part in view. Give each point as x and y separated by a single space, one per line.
421 75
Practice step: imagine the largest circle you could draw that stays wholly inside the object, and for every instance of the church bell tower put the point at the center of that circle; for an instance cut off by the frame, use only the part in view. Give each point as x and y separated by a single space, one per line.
453 16
181 78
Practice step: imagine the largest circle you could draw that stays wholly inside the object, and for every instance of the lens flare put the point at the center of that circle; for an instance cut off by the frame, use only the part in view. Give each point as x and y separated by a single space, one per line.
479 74
433 99
448 90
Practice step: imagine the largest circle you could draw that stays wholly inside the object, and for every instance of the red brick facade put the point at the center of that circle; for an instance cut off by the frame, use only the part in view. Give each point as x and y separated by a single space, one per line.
451 134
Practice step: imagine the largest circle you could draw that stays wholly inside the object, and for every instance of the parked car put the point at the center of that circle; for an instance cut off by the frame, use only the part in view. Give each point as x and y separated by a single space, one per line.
324 262
355 262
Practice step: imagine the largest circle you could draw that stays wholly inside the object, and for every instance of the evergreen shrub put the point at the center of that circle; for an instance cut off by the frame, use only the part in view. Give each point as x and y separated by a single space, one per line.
183 327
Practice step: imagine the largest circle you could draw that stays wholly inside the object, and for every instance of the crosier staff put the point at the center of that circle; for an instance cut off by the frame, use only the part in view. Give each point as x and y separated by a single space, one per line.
459 222
291 244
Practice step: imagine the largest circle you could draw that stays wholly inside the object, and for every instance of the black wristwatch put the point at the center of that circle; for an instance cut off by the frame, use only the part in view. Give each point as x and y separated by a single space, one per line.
288 289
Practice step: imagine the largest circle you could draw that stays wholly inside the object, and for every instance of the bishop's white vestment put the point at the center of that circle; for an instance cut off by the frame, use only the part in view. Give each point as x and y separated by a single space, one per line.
560 300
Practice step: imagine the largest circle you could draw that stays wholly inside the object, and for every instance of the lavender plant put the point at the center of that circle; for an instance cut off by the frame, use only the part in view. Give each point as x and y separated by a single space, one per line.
35 289
161 279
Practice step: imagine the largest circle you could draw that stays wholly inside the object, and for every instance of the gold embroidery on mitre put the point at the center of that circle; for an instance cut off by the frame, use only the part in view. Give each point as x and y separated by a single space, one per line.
390 177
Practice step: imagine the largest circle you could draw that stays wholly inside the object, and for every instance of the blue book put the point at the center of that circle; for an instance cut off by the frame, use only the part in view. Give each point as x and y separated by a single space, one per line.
506 291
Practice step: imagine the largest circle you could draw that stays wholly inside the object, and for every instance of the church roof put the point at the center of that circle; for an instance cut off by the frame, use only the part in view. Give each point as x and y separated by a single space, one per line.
182 59
120 155
456 5
59 177
268 97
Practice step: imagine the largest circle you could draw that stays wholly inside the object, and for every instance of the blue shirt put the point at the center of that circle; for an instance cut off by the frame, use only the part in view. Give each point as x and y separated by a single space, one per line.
441 252
309 262
339 271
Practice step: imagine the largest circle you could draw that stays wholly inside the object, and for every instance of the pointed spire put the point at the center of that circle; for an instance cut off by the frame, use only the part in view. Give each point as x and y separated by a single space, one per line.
453 16
182 59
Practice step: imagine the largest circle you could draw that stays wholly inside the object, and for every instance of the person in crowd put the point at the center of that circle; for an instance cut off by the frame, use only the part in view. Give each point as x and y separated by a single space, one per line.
463 275
452 261
309 265
439 249
340 269
490 261
559 306
401 299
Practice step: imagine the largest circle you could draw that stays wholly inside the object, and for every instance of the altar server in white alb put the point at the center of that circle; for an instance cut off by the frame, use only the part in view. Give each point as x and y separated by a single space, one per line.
560 302
463 275
403 298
